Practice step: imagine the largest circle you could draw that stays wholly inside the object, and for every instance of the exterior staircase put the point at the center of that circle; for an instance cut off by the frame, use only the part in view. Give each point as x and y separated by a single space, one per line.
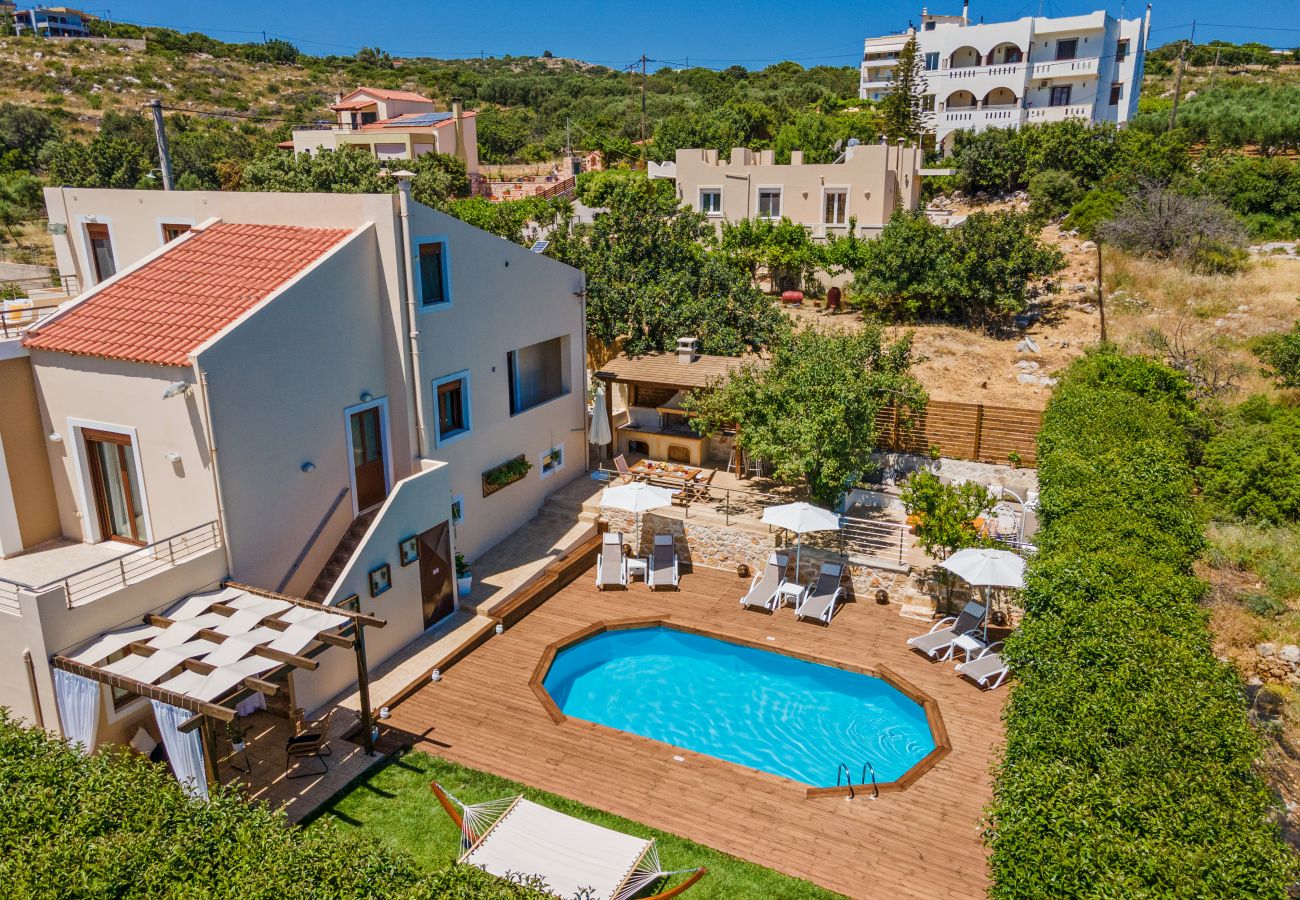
559 508
338 560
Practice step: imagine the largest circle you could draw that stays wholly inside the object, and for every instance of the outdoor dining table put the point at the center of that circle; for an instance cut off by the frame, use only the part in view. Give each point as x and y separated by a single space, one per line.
692 482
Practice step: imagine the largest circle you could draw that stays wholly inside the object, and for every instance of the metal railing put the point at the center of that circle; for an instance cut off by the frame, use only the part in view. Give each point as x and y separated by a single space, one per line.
85 585
16 320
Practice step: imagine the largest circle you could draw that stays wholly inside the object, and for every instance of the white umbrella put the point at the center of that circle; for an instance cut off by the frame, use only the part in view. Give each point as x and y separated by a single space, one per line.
984 568
599 434
801 518
637 497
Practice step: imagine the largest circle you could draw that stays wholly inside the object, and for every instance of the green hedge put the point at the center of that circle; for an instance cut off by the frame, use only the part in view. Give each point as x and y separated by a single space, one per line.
1129 764
114 826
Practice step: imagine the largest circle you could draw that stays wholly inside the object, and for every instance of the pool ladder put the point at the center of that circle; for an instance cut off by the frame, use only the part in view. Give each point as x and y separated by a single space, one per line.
844 777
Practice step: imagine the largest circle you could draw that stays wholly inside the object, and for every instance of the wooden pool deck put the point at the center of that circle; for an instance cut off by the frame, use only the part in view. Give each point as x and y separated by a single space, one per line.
922 842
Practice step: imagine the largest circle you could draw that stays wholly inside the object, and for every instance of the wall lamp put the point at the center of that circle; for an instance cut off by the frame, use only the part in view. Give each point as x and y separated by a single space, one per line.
308 466
56 438
366 396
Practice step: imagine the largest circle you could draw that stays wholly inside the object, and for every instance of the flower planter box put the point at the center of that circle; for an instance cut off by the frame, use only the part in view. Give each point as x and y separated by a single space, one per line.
493 483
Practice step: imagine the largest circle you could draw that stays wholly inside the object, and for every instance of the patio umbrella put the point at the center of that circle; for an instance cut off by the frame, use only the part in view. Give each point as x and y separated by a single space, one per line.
985 568
599 433
636 498
801 518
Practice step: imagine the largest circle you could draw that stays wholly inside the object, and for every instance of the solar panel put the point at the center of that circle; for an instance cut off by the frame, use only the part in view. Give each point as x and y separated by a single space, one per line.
419 119
540 246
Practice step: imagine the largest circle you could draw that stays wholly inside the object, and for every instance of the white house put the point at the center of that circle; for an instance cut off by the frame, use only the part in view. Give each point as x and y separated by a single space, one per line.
1004 74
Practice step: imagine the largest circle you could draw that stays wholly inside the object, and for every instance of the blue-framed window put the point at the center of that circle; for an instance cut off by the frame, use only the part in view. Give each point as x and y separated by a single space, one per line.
451 407
434 283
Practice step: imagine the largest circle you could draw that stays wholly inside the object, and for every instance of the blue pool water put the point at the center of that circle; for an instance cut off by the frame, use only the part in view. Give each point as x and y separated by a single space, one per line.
748 706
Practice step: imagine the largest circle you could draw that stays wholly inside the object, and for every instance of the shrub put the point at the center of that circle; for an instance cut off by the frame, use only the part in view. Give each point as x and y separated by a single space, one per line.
1251 469
947 512
1280 354
114 825
1052 194
1197 232
1129 763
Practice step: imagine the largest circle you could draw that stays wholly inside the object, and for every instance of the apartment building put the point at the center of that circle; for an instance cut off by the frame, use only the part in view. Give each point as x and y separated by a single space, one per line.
52 21
1004 74
867 183
298 392
393 125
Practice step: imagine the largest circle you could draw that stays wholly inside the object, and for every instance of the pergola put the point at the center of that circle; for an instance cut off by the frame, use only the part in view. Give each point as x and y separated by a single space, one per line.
659 380
211 651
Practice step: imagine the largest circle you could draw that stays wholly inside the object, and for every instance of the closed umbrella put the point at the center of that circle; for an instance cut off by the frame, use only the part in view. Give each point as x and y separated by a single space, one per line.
801 518
636 498
985 568
599 433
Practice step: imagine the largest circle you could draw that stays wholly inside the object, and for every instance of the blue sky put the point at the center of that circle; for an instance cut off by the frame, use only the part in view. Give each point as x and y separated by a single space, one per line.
671 32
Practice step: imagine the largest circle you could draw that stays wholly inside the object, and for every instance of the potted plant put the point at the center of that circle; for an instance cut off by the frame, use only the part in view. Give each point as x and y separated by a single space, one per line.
464 577
235 732
1014 459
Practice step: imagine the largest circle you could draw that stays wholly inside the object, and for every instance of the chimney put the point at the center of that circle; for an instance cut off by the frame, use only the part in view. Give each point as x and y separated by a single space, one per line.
687 350
457 115
965 12
796 157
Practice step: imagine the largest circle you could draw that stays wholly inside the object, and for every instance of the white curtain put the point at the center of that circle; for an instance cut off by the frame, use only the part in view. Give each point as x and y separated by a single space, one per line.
78 699
184 750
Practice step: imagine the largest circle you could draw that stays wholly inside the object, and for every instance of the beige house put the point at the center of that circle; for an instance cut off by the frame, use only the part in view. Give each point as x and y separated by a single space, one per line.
867 183
300 392
393 125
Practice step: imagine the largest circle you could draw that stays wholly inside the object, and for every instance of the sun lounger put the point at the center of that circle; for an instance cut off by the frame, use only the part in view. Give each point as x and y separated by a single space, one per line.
611 567
663 563
763 589
942 635
988 670
818 600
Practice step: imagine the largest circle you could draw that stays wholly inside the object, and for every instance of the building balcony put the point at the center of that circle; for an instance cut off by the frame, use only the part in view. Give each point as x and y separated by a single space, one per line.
1066 68
1010 71
1059 113
1000 116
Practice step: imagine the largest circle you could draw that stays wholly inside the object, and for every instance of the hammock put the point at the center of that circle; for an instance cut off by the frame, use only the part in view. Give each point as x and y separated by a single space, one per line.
515 838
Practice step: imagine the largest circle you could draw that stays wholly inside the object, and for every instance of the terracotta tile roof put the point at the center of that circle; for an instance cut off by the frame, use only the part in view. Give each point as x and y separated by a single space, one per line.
386 94
166 309
360 103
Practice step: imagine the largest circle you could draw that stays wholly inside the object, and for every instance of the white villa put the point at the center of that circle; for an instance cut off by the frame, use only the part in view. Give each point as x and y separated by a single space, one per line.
1004 74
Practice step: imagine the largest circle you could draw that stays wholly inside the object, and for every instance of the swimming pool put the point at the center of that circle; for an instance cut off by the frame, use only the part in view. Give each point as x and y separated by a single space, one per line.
749 706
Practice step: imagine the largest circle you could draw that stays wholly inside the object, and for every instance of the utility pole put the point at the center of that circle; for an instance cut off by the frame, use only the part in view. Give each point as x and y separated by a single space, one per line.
164 155
1215 70
1101 296
643 62
263 36
1178 77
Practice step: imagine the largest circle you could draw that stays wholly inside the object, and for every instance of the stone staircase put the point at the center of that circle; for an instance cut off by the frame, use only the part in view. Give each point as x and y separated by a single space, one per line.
570 510
338 560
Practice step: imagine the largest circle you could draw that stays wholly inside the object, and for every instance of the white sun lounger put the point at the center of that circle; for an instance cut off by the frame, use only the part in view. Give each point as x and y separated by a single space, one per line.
943 634
663 563
763 589
611 567
818 600
988 670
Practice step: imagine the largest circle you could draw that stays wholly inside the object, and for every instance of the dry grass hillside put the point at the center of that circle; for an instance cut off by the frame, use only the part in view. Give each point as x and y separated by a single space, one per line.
85 80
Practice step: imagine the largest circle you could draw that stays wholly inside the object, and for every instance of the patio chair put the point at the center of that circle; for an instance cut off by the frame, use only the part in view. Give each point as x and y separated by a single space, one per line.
988 670
310 744
663 563
818 600
620 463
943 634
763 589
611 566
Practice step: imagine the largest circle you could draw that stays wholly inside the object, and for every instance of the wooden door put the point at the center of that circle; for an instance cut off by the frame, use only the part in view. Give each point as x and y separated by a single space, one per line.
115 485
437 597
368 457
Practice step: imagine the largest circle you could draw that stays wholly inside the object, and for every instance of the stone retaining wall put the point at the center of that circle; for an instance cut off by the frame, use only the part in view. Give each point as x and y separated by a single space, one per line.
711 546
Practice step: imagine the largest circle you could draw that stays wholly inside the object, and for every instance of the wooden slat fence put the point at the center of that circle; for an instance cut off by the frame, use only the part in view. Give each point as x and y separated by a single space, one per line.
963 431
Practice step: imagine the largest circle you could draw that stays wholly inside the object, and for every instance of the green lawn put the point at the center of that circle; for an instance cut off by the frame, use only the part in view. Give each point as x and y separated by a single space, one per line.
394 804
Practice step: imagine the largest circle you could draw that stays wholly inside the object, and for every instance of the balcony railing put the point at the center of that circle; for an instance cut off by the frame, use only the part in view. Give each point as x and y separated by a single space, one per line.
1065 68
85 585
1059 113
1005 69
15 320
